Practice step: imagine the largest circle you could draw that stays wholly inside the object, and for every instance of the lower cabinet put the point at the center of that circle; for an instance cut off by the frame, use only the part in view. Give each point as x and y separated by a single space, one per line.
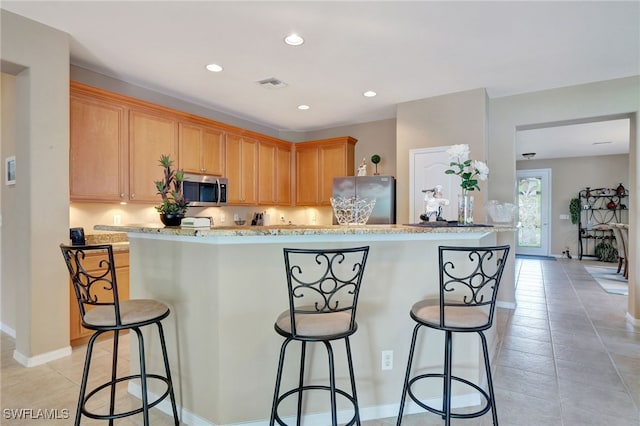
79 335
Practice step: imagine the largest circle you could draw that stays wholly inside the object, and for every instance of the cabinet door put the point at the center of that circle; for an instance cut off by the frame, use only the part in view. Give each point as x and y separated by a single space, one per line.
267 173
213 151
283 175
332 163
150 137
190 142
242 168
307 176
97 151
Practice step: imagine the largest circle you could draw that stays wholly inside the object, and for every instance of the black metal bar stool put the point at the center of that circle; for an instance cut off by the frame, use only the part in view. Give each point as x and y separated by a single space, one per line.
469 281
323 287
96 290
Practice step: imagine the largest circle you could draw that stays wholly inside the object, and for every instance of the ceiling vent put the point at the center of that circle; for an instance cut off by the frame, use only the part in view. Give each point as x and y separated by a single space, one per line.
273 83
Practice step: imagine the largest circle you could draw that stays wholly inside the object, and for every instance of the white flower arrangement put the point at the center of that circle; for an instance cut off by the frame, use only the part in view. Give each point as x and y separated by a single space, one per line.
470 171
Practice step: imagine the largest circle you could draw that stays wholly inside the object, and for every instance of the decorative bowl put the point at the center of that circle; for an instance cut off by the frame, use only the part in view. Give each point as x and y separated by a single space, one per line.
353 210
239 222
501 212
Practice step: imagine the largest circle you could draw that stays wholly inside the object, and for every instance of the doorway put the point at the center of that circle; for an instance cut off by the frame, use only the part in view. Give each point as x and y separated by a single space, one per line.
534 206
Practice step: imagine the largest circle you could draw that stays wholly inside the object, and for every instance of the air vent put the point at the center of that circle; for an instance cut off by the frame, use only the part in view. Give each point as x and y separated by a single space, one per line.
272 83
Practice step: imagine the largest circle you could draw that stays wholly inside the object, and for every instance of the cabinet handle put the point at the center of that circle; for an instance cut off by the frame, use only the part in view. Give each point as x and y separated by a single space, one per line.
122 195
133 195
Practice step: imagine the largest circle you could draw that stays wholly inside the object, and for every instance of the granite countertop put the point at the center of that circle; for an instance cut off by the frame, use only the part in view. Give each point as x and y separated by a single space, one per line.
118 240
240 231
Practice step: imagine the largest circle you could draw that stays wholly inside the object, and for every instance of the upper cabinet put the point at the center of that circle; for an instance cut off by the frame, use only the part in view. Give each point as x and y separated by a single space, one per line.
242 169
274 173
98 143
201 149
117 141
317 163
150 137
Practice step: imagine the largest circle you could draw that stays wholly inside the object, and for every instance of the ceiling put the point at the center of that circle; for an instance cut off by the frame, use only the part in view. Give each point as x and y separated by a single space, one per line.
402 50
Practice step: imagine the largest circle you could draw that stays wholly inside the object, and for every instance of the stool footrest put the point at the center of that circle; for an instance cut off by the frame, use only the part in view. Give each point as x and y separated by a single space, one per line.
126 413
478 413
299 390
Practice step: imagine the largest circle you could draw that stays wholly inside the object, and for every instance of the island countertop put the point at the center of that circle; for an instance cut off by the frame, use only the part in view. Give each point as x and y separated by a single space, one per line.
298 230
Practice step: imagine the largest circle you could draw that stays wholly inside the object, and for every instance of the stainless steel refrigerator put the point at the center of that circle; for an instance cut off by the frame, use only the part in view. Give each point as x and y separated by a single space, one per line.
382 188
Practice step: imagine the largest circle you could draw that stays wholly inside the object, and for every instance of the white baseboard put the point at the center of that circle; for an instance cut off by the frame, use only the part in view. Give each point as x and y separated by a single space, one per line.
42 358
507 305
5 328
632 320
366 413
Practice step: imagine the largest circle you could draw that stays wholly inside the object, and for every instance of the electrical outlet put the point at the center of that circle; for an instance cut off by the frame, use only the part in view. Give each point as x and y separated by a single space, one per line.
117 219
222 218
387 360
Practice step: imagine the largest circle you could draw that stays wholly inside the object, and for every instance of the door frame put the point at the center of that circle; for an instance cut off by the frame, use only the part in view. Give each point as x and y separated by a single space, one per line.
545 211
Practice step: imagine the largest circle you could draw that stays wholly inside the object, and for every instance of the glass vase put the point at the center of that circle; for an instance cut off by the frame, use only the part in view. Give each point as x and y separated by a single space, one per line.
465 208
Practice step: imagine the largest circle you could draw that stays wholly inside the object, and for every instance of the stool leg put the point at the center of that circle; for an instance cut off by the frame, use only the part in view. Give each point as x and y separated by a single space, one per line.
276 392
114 375
332 384
446 394
168 372
303 355
353 380
487 367
405 388
143 377
85 376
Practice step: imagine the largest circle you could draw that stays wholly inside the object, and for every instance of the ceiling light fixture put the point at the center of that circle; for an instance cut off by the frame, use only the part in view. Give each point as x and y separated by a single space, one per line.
602 143
529 155
369 94
293 40
303 107
214 67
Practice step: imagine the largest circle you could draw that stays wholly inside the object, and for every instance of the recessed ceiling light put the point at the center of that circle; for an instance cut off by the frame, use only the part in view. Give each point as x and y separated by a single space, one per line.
293 40
369 94
529 155
214 67
303 107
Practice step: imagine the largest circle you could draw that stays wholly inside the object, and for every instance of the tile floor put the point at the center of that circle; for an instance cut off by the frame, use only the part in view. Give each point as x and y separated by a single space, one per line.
567 356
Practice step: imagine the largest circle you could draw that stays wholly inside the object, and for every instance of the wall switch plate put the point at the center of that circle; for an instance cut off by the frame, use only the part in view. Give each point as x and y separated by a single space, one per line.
564 217
387 360
117 219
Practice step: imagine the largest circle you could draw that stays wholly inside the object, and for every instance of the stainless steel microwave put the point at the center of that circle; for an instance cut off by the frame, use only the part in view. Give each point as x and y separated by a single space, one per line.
204 191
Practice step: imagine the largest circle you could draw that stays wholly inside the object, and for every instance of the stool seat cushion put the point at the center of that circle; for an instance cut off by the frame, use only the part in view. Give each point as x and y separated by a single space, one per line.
131 312
428 311
316 325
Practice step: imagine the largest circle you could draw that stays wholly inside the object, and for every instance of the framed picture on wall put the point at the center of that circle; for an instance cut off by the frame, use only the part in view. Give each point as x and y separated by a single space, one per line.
10 169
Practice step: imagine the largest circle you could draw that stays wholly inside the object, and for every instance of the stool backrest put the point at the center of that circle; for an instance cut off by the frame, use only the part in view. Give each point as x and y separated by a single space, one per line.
620 243
470 277
324 281
93 277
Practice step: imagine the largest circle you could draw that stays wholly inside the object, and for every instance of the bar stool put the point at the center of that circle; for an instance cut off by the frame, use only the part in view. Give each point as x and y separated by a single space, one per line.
323 287
96 289
469 281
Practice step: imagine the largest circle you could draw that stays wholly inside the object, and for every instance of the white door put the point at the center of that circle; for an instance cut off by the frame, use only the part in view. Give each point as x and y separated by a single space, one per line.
426 170
534 206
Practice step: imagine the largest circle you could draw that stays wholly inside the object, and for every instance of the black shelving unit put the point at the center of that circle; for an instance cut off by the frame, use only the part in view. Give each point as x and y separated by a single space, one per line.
600 206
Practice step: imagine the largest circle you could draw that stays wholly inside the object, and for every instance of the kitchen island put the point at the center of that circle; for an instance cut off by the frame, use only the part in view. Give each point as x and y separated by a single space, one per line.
226 286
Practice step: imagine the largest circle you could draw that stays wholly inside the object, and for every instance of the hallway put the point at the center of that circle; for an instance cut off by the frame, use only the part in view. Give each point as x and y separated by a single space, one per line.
567 356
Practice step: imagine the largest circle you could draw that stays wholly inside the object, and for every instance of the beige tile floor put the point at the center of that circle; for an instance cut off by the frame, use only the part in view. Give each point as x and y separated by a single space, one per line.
566 357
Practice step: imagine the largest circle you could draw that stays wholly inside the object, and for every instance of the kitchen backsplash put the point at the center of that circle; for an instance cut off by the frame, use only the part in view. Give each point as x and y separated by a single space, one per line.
87 215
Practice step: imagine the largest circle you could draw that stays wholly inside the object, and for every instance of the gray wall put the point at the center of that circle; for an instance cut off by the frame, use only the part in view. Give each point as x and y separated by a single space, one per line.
37 219
570 175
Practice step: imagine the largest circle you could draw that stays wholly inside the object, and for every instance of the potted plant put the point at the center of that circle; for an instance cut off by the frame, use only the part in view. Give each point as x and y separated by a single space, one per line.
375 159
174 205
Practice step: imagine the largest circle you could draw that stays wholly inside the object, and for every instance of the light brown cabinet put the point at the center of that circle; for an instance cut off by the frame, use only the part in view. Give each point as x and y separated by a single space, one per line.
98 150
242 169
274 173
150 137
201 149
79 335
317 163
